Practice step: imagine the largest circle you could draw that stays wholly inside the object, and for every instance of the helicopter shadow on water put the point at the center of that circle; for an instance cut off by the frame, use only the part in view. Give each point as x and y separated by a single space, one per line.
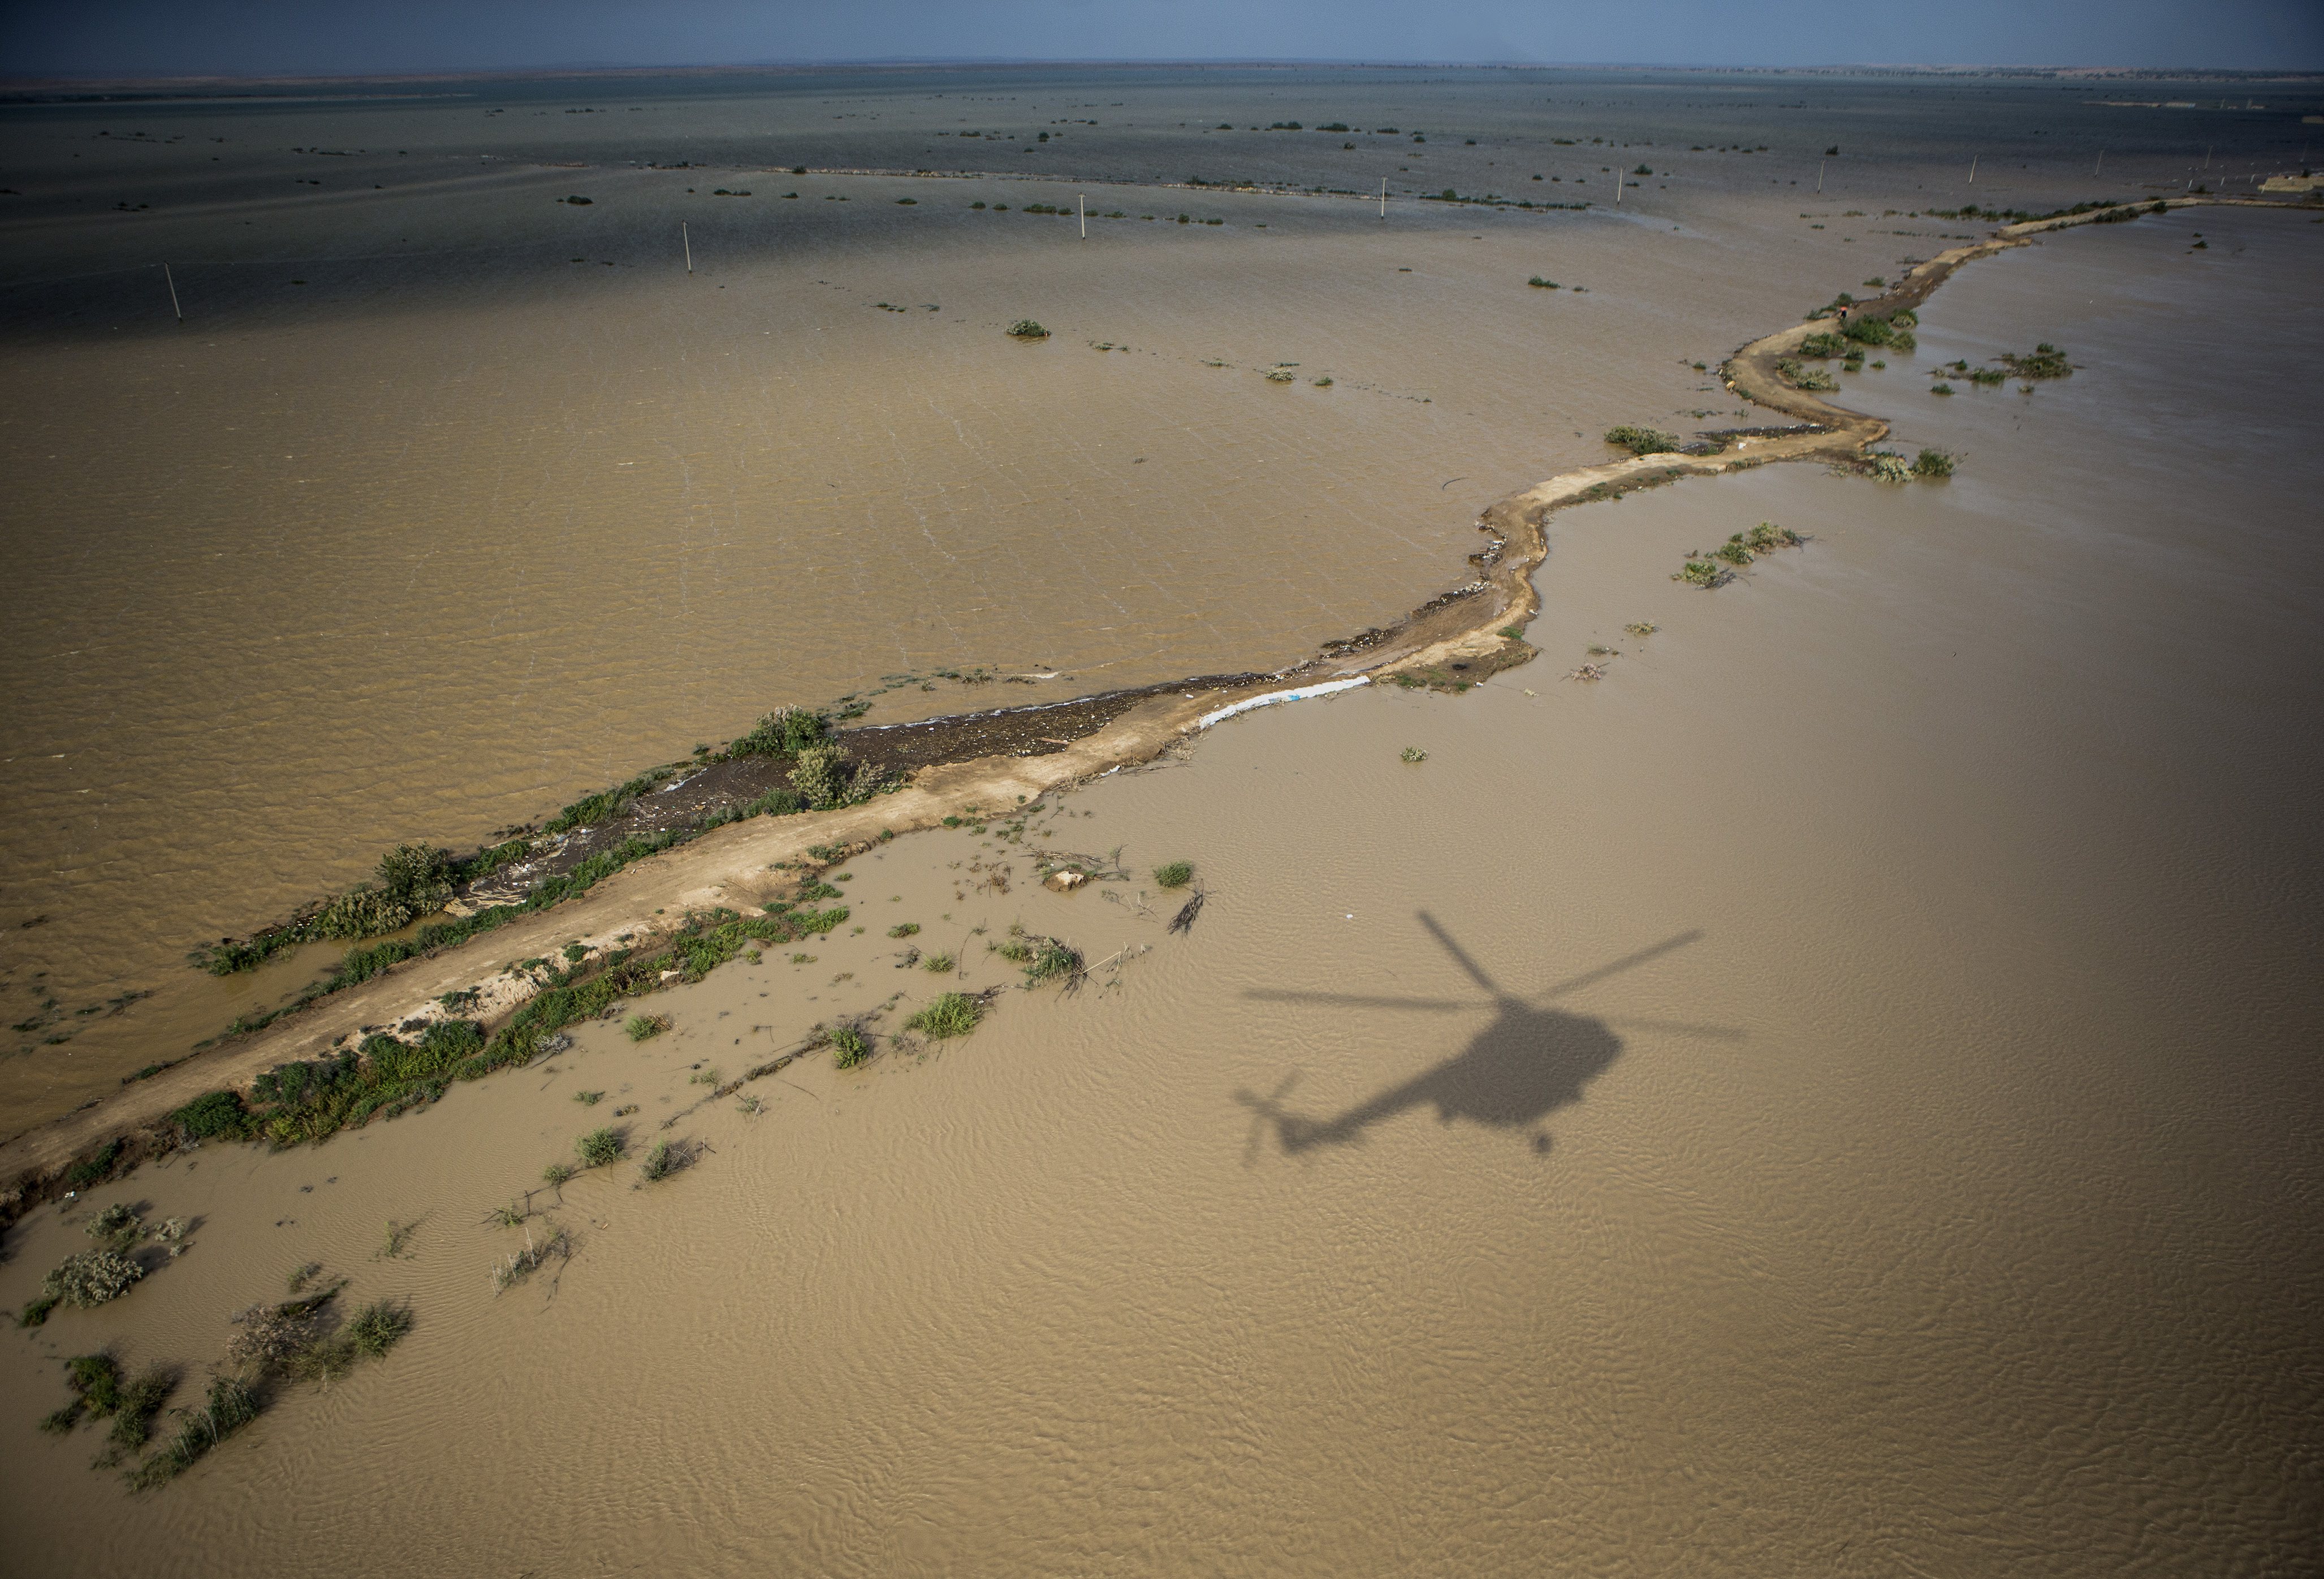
1529 1062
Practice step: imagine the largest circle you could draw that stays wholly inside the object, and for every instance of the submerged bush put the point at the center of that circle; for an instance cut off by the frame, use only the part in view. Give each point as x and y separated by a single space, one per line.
1642 440
228 1408
848 1047
1933 463
667 1157
91 1277
599 1148
1888 465
1025 329
948 1014
2045 361
783 733
1174 874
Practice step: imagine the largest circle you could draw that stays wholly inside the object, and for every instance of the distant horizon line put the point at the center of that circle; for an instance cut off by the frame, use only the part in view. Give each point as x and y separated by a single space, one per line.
22 82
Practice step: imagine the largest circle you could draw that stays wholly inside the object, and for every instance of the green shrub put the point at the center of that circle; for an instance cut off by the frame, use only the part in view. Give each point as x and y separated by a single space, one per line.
666 1158
228 1408
848 1047
599 1148
2045 361
378 1326
785 732
1413 754
939 964
1888 467
904 929
1642 440
644 1027
1025 329
1933 463
820 776
1174 874
1051 960
1542 283
948 1014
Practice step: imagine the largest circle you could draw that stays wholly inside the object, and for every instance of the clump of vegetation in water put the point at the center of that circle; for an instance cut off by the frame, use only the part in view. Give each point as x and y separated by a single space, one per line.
2045 361
948 1014
666 1158
519 1265
939 964
1174 874
1799 375
1413 754
1887 465
1933 463
1641 628
1823 344
849 1047
1711 571
784 732
289 1340
85 1280
1281 376
1642 440
1893 331
1543 284
641 1027
228 1408
1025 329
600 1148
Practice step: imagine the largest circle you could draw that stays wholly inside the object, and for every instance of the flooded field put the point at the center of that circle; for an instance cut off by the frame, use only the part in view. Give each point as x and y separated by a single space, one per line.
1835 1095
451 499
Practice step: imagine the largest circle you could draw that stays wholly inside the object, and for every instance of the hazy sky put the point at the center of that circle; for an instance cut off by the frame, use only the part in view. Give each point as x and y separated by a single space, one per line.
264 37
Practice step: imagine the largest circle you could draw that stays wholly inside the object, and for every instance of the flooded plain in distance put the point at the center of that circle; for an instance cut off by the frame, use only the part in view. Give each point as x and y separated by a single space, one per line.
1835 1095
452 499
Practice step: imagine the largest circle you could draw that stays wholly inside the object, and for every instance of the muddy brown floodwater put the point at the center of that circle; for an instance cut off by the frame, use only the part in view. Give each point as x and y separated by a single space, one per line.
451 500
1836 1095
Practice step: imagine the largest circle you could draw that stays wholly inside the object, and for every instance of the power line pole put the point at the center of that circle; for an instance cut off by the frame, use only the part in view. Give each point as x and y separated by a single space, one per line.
688 242
173 293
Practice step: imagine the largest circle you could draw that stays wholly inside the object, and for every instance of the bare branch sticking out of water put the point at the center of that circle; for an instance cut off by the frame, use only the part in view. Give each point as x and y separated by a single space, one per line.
1183 921
522 1264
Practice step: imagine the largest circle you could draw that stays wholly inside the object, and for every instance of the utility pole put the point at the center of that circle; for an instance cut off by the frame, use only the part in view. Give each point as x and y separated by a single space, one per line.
1081 207
688 242
2094 174
1820 165
173 293
1384 190
1972 170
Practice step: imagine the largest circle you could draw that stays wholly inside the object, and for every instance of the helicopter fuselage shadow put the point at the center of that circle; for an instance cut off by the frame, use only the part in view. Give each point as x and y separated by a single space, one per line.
1513 1073
1529 1063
